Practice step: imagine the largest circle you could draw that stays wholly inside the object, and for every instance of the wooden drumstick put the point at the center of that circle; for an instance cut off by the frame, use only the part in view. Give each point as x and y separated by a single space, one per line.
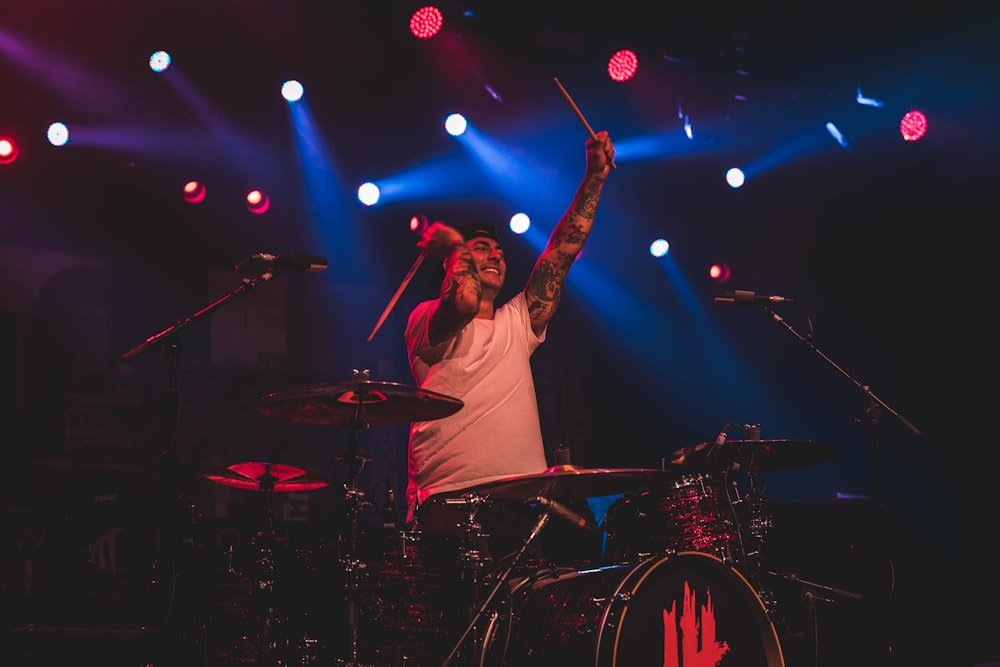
399 292
579 115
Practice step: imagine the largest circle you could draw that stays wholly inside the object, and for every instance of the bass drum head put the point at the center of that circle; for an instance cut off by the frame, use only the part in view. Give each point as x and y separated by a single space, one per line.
680 610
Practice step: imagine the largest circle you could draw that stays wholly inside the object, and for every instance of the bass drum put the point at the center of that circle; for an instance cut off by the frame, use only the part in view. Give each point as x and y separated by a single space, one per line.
680 610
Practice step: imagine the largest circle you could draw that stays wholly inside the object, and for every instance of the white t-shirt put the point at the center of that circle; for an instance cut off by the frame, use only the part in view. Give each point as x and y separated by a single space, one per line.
496 433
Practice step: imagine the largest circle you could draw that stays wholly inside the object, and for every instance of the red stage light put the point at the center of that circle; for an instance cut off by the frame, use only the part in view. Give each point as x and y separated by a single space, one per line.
623 65
258 202
426 22
8 150
194 192
719 273
913 126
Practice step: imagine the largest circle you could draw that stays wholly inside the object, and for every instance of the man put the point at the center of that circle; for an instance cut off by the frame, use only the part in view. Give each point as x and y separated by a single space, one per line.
463 345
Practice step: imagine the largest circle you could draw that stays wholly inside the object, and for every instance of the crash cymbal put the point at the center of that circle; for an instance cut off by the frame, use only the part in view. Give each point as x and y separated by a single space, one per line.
569 481
358 403
754 455
255 476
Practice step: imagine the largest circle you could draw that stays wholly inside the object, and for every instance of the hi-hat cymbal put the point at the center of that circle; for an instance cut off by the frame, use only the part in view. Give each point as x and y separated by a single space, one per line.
754 455
358 403
255 476
569 481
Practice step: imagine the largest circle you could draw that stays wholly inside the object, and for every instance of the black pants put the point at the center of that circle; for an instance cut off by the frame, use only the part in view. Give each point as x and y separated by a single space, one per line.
499 531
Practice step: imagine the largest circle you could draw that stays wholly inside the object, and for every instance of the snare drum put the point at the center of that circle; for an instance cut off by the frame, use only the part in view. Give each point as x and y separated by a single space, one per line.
680 610
694 513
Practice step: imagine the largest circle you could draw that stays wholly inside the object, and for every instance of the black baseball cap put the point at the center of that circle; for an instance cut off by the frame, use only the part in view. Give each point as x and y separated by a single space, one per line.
477 229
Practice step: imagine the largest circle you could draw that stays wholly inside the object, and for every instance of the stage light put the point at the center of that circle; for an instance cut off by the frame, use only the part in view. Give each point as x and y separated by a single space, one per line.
519 223
194 192
867 101
368 194
58 134
913 126
623 65
258 202
418 224
426 22
735 177
837 135
292 90
455 124
159 61
719 272
8 150
659 248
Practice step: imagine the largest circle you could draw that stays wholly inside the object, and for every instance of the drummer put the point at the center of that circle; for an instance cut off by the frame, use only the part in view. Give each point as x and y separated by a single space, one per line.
463 344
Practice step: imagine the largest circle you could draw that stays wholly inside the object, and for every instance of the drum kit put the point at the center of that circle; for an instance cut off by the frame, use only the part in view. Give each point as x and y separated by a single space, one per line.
678 580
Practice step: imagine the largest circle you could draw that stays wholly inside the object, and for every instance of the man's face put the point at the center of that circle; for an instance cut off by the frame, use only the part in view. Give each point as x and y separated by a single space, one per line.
490 262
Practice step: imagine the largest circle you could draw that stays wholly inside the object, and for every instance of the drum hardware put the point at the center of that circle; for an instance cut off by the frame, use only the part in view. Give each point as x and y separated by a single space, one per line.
753 456
271 631
357 404
501 581
812 594
471 558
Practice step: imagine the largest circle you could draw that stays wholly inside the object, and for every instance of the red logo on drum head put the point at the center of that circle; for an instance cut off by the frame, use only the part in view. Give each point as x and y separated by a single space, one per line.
683 644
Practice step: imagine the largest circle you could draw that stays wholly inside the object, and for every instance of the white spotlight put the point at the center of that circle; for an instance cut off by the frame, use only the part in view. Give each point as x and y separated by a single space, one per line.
159 61
368 194
292 90
455 124
735 177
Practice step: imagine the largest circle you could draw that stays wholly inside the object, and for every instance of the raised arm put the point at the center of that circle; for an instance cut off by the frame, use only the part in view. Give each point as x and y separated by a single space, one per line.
461 290
545 284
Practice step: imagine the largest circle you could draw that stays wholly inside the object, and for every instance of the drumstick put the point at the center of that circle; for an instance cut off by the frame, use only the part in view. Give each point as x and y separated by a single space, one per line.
399 292
579 115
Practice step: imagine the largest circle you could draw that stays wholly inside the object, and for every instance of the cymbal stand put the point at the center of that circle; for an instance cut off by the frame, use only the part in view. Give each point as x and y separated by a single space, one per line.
543 519
758 522
354 502
471 557
264 544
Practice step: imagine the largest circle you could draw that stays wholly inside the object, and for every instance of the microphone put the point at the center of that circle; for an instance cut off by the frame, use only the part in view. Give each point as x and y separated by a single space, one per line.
294 261
720 440
565 513
743 297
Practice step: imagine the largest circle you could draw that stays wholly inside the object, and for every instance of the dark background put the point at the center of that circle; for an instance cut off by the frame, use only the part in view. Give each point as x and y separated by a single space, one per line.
885 247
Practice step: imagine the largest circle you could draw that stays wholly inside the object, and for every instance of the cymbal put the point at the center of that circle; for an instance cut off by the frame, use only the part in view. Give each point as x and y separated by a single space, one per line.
567 480
255 476
754 454
358 403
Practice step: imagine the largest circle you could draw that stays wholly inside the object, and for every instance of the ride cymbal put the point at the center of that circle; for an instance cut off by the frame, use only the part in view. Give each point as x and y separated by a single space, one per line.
569 481
358 403
754 455
255 476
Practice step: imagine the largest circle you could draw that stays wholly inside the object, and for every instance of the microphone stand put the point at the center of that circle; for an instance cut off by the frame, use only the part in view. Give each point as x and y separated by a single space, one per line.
879 517
166 340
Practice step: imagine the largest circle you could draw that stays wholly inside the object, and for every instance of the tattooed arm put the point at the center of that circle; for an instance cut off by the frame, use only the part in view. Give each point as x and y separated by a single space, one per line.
545 284
461 291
